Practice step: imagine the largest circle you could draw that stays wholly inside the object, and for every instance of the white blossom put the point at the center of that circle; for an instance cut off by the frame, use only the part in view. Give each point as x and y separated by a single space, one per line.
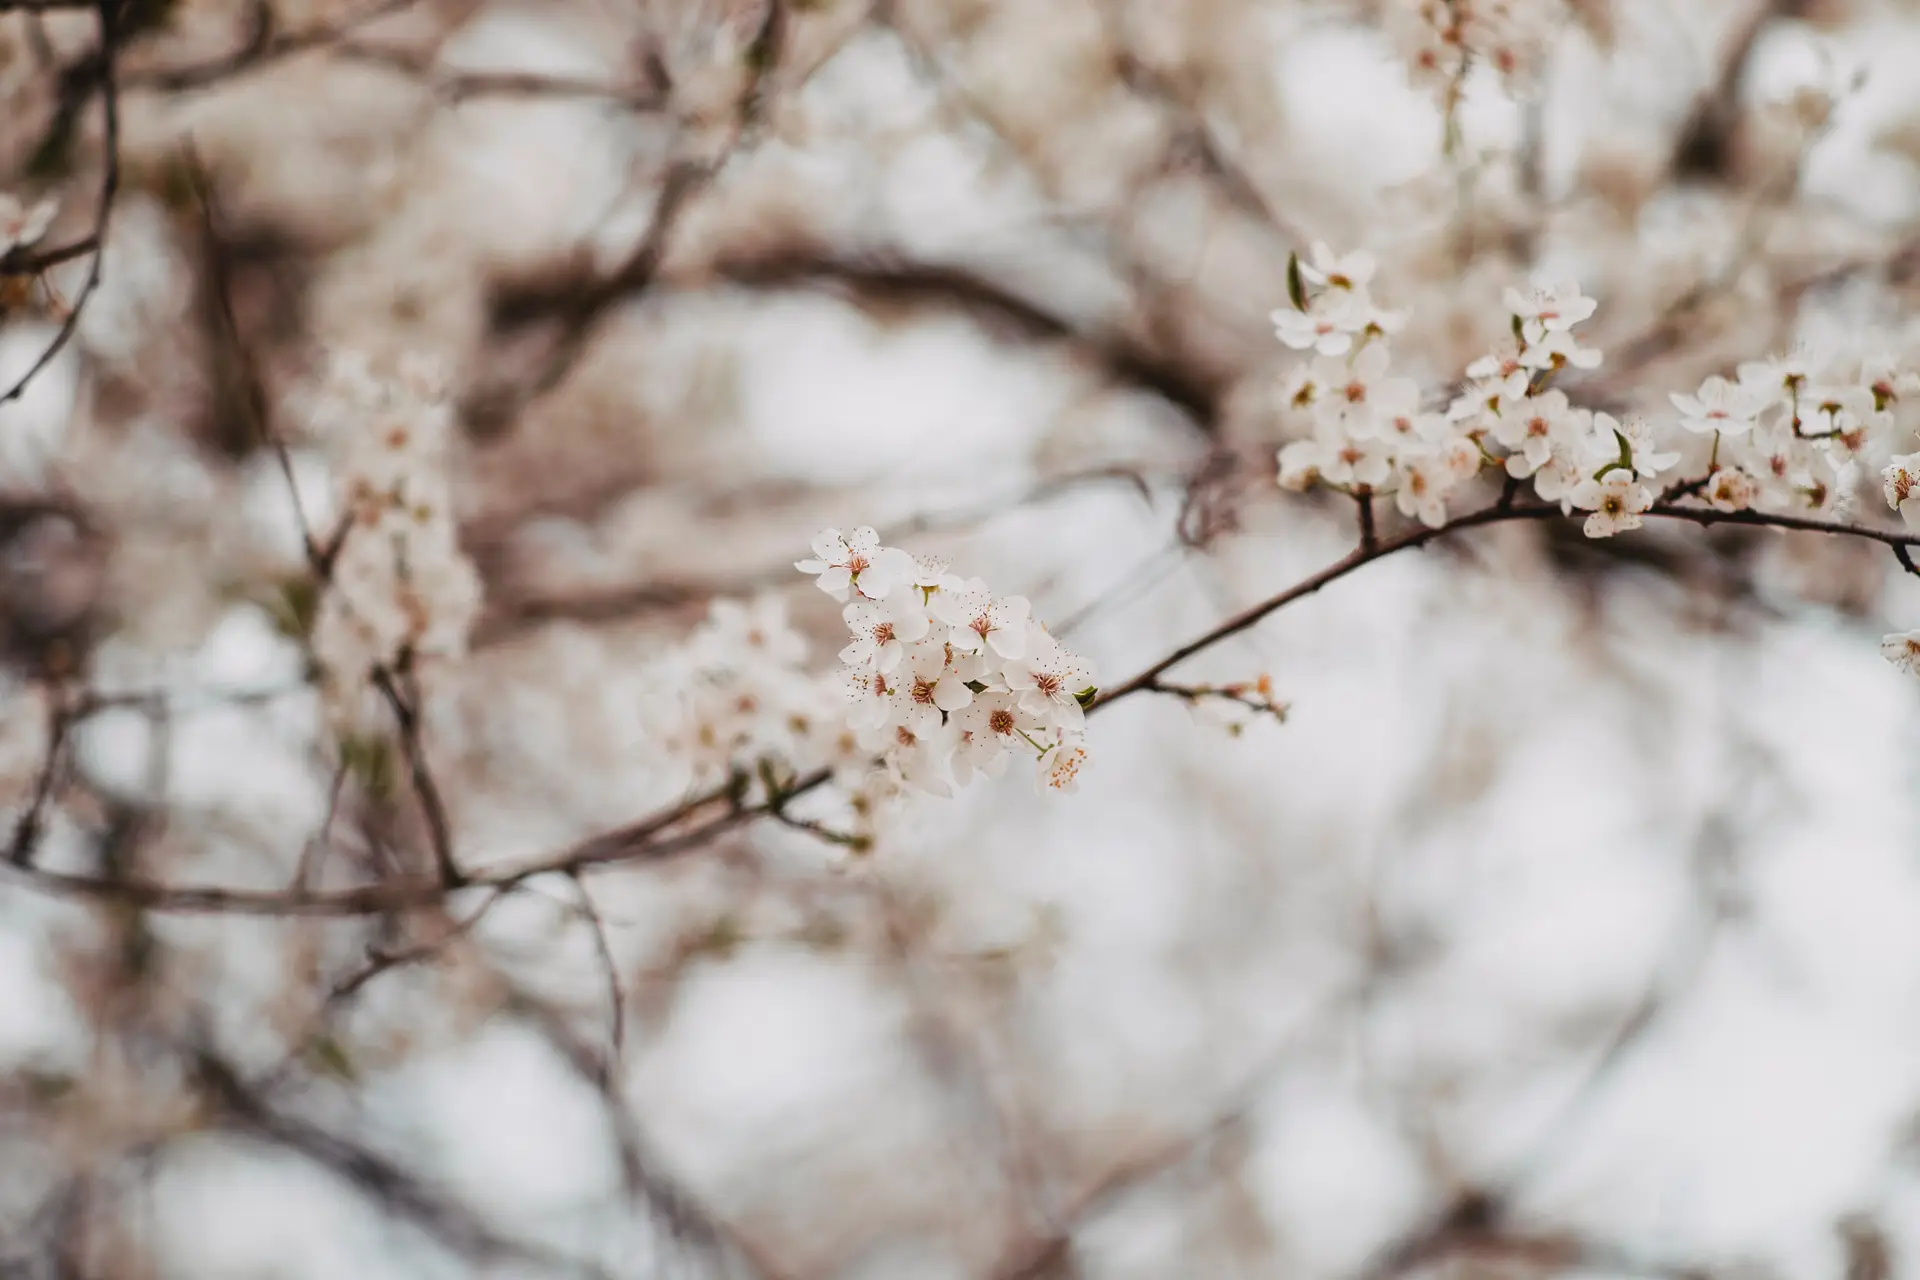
1722 406
1616 501
1902 649
22 226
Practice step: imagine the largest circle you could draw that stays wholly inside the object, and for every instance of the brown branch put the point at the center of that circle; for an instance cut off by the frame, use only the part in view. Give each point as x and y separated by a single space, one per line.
261 46
103 76
882 279
253 388
1497 514
28 827
616 992
578 311
18 262
683 827
388 1184
406 714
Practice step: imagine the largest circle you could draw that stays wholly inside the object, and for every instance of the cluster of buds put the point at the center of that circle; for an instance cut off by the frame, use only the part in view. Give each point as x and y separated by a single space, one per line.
1442 39
400 588
946 679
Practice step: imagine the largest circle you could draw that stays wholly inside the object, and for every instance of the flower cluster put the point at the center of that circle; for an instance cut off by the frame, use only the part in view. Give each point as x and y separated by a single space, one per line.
1792 434
400 586
1370 435
1442 39
736 701
946 679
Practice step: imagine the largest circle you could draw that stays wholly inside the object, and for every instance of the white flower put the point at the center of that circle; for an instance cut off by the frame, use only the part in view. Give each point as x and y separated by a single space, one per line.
918 756
1902 649
881 632
21 227
1302 386
1060 767
1549 309
1498 364
1302 463
1556 348
1638 433
989 728
1616 500
1365 399
934 680
1049 680
738 633
979 621
1350 271
1424 482
1731 489
1327 325
1720 406
1557 480
1843 413
1531 427
1779 376
1357 462
875 698
1901 478
857 563
1490 396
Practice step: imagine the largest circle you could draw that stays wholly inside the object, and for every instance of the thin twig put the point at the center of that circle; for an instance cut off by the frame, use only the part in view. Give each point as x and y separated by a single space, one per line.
683 828
439 827
107 78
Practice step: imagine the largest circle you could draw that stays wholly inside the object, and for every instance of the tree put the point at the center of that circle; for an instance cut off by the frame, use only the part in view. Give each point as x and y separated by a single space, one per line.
1426 478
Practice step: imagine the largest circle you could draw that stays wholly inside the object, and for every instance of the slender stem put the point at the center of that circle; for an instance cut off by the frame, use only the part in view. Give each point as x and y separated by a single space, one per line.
700 820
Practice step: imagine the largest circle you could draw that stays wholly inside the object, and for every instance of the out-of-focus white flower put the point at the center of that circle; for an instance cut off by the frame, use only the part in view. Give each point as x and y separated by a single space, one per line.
1351 271
1719 405
1731 489
22 226
1328 325
1424 482
1553 308
1558 348
1637 433
400 584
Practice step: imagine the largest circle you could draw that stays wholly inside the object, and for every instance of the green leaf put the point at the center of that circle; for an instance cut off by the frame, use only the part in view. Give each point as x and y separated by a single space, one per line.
294 605
329 1057
371 763
1086 696
1296 286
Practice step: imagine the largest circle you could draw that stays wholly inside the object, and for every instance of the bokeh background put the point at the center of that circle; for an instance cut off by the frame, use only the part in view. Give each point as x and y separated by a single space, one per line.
1568 927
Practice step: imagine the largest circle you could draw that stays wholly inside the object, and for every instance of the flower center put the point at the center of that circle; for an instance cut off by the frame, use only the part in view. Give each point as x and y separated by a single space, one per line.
1001 722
